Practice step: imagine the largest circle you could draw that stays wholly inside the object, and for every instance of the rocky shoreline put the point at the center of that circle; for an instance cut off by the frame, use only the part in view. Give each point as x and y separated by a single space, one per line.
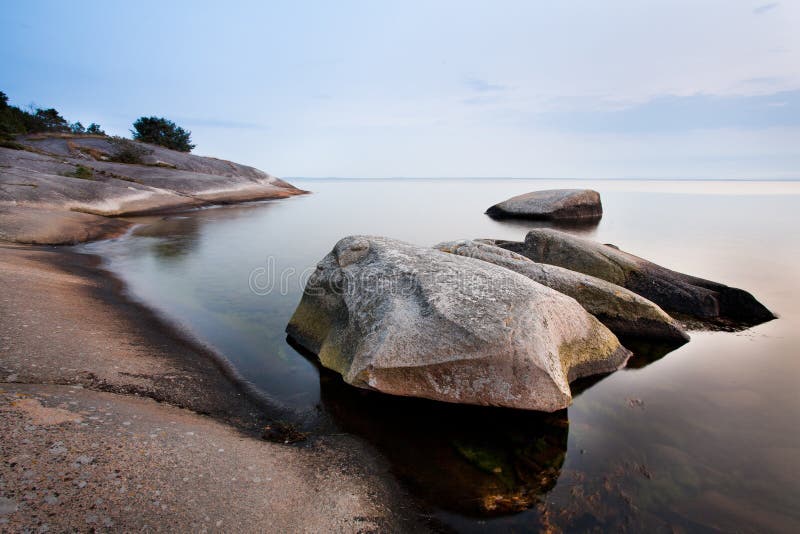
61 189
112 419
98 383
91 383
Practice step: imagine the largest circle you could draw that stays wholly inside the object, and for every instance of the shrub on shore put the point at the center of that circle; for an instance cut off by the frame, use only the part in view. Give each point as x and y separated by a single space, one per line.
94 129
154 130
15 121
126 151
162 132
11 119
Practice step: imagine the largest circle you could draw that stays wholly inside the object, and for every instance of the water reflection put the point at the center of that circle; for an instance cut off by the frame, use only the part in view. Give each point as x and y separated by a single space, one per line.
178 236
582 227
175 237
646 352
471 460
705 439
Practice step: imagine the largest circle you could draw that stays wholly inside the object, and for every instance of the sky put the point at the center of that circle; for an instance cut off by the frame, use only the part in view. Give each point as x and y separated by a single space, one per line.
704 89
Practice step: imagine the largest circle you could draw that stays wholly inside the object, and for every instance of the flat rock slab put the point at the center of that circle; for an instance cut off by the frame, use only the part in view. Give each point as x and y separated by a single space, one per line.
675 292
624 312
414 321
67 173
55 227
551 204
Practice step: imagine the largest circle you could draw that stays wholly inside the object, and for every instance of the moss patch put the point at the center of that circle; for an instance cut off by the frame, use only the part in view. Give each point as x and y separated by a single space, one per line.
81 172
598 352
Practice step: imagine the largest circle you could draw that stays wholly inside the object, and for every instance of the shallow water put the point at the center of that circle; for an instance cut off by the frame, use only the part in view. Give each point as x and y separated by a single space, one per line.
705 437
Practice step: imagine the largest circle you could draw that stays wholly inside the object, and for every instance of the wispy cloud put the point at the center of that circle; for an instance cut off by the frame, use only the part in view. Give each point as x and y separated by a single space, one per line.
483 86
221 123
760 10
679 114
481 100
764 80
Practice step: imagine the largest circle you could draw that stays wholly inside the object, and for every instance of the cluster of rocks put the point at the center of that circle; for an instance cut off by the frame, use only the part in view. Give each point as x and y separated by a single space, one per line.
496 323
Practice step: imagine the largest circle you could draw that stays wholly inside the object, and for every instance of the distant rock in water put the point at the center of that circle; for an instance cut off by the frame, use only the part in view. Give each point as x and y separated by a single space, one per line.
624 312
74 173
552 204
675 292
414 321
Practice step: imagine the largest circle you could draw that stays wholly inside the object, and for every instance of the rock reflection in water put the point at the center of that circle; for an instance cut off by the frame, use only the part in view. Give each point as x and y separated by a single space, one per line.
713 443
471 460
177 236
646 352
477 461
582 227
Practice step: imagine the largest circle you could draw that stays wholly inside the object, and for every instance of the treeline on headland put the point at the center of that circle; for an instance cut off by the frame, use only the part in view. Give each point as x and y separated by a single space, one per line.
15 121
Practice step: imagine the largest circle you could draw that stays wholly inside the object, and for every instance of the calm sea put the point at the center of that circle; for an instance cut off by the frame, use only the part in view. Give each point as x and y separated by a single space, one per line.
702 438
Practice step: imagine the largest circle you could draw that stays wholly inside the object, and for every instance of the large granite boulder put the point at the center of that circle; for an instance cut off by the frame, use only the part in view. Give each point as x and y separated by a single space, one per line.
675 292
415 321
552 204
624 312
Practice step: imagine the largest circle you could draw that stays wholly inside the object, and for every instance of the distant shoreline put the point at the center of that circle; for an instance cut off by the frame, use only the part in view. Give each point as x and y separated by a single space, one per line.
456 178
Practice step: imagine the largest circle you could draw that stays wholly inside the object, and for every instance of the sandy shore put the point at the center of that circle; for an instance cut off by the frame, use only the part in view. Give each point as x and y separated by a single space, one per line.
111 420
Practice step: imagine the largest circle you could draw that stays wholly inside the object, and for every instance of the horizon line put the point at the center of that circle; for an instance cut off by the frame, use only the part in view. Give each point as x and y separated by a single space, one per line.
794 179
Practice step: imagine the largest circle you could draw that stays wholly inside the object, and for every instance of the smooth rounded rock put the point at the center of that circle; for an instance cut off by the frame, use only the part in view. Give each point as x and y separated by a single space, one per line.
624 312
414 321
551 204
675 292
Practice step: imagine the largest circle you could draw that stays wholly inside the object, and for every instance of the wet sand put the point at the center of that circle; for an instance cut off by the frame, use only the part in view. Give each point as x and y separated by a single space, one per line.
112 420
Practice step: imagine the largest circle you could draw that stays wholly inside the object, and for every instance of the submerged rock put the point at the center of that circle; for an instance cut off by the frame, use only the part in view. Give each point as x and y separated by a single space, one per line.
624 312
552 204
415 321
478 461
673 291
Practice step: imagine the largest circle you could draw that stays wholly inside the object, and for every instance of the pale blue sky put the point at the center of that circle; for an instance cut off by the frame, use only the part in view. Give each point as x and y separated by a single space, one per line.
583 89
